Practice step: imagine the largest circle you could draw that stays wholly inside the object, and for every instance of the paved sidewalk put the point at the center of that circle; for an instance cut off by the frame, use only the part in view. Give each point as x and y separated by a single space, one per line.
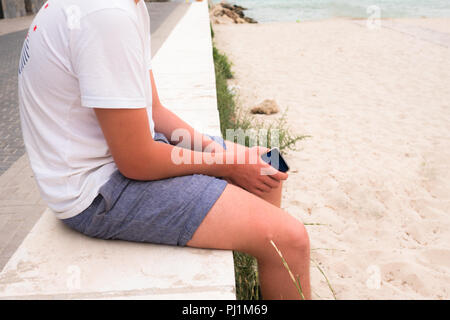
11 144
16 24
20 203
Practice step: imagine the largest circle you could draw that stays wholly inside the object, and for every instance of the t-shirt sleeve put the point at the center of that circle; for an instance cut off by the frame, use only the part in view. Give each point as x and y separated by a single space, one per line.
108 58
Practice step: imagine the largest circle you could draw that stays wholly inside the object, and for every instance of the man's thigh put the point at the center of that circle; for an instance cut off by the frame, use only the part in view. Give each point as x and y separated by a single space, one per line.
241 221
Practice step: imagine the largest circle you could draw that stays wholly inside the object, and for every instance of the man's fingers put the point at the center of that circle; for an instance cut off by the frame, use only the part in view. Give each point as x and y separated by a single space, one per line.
257 192
262 186
280 175
271 182
268 170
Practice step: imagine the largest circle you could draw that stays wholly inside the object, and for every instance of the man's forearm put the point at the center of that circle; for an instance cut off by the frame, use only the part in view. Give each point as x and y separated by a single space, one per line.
162 161
167 122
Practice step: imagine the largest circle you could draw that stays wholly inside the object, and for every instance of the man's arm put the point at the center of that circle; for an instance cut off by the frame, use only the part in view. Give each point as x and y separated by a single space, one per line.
166 122
139 157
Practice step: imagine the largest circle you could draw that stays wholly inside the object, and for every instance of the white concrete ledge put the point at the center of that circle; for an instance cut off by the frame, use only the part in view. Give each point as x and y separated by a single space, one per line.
54 262
184 71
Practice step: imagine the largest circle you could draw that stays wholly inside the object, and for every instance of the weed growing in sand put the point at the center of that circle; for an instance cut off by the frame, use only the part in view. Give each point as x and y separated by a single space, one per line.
294 280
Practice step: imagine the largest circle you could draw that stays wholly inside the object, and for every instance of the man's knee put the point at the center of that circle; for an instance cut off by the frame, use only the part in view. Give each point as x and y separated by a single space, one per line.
290 238
298 238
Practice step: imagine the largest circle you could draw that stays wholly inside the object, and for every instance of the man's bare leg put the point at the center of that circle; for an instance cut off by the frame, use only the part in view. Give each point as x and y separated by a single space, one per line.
244 222
274 196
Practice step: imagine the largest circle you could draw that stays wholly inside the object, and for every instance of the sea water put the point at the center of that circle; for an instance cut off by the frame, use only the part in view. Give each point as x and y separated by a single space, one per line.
301 10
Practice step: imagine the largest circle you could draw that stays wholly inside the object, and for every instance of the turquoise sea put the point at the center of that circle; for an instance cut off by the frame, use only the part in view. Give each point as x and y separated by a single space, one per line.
293 10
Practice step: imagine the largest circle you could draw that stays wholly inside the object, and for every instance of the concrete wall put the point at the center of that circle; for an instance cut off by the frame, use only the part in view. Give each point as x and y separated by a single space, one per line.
36 5
13 8
16 8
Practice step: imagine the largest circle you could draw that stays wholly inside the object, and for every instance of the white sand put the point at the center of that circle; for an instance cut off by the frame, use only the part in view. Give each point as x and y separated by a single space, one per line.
377 167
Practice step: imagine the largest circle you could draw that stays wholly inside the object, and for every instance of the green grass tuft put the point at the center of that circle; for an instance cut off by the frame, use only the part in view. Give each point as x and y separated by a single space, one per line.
222 65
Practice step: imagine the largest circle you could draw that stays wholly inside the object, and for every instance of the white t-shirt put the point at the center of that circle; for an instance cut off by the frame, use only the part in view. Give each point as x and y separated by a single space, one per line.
79 55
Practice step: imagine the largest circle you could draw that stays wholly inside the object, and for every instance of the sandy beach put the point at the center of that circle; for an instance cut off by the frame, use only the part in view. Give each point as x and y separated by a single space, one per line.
376 169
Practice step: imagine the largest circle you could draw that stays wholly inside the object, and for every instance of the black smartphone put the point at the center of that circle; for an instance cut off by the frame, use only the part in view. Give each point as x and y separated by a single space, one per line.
274 158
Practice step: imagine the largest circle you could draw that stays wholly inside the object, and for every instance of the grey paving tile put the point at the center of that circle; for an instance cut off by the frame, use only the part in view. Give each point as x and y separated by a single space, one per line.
8 231
3 261
4 218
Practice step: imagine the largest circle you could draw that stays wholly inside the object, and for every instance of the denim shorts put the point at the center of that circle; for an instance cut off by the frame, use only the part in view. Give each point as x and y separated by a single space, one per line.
166 211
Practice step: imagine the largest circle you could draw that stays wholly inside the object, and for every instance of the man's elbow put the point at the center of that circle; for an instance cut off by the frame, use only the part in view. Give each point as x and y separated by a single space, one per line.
135 168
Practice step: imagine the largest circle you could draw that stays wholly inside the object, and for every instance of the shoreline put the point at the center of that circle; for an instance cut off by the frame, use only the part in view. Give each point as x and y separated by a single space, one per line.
263 13
442 19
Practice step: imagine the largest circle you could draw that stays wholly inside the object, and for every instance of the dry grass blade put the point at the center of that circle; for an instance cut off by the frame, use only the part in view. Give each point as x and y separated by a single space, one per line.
326 278
297 283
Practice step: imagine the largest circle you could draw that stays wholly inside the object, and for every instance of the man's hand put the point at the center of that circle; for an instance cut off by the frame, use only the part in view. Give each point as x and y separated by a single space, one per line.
254 175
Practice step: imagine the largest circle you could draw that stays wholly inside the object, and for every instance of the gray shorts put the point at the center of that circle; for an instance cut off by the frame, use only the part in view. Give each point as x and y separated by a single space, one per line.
166 211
